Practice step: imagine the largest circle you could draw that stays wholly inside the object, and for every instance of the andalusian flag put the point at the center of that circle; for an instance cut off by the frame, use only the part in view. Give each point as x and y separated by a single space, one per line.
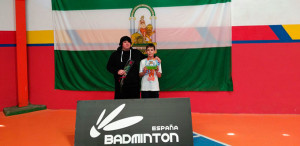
193 38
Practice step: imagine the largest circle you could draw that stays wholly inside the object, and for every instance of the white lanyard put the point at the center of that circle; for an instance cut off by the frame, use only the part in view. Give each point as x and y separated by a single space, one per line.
129 55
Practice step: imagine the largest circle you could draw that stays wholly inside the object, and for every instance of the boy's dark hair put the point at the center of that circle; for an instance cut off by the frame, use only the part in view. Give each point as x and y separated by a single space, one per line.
150 45
124 38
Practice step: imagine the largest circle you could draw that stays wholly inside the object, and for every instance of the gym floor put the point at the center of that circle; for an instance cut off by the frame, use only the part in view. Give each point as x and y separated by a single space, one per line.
57 128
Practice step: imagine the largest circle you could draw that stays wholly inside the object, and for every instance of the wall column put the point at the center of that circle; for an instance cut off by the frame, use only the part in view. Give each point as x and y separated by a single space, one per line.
21 46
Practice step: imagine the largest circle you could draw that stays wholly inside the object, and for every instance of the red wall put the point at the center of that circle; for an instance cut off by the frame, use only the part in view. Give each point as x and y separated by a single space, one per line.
8 73
266 80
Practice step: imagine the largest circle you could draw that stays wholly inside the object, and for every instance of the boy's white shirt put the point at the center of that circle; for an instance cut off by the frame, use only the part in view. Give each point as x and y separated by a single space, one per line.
149 85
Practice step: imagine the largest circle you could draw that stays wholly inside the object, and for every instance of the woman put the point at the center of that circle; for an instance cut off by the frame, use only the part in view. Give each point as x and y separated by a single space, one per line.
116 63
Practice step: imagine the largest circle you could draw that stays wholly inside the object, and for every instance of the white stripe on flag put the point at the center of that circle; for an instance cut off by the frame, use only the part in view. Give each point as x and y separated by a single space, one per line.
176 27
167 17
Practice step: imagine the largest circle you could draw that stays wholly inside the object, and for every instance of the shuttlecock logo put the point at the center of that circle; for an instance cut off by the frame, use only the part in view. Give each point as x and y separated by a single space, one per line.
106 124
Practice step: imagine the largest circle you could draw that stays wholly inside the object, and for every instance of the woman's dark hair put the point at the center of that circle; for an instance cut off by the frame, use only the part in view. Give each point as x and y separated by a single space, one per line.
124 38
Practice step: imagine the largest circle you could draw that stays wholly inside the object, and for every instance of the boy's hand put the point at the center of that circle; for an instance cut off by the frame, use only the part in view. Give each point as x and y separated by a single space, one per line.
141 74
145 70
158 73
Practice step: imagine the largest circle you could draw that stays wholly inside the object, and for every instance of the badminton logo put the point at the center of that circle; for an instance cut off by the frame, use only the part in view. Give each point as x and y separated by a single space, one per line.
106 124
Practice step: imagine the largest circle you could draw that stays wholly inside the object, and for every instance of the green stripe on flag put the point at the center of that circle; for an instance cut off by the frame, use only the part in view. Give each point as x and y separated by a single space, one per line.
66 5
205 69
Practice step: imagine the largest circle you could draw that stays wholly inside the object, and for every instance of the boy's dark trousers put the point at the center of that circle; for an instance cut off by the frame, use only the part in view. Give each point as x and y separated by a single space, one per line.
150 94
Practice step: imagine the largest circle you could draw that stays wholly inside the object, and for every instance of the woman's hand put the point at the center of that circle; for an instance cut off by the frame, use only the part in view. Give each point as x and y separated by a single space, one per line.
158 59
121 72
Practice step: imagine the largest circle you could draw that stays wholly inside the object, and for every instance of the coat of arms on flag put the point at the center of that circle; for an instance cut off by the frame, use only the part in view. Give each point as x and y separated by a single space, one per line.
142 26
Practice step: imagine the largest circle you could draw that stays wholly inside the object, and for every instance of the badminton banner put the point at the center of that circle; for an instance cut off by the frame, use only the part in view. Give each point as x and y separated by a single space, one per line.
146 122
193 39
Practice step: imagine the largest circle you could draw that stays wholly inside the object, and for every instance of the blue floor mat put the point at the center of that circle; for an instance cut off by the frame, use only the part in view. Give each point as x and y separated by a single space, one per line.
200 140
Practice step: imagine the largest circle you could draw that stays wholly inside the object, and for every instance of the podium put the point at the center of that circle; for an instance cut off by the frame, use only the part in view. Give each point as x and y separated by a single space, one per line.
140 122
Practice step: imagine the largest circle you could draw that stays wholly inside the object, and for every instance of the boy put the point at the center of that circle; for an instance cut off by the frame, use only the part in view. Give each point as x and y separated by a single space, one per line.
150 71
